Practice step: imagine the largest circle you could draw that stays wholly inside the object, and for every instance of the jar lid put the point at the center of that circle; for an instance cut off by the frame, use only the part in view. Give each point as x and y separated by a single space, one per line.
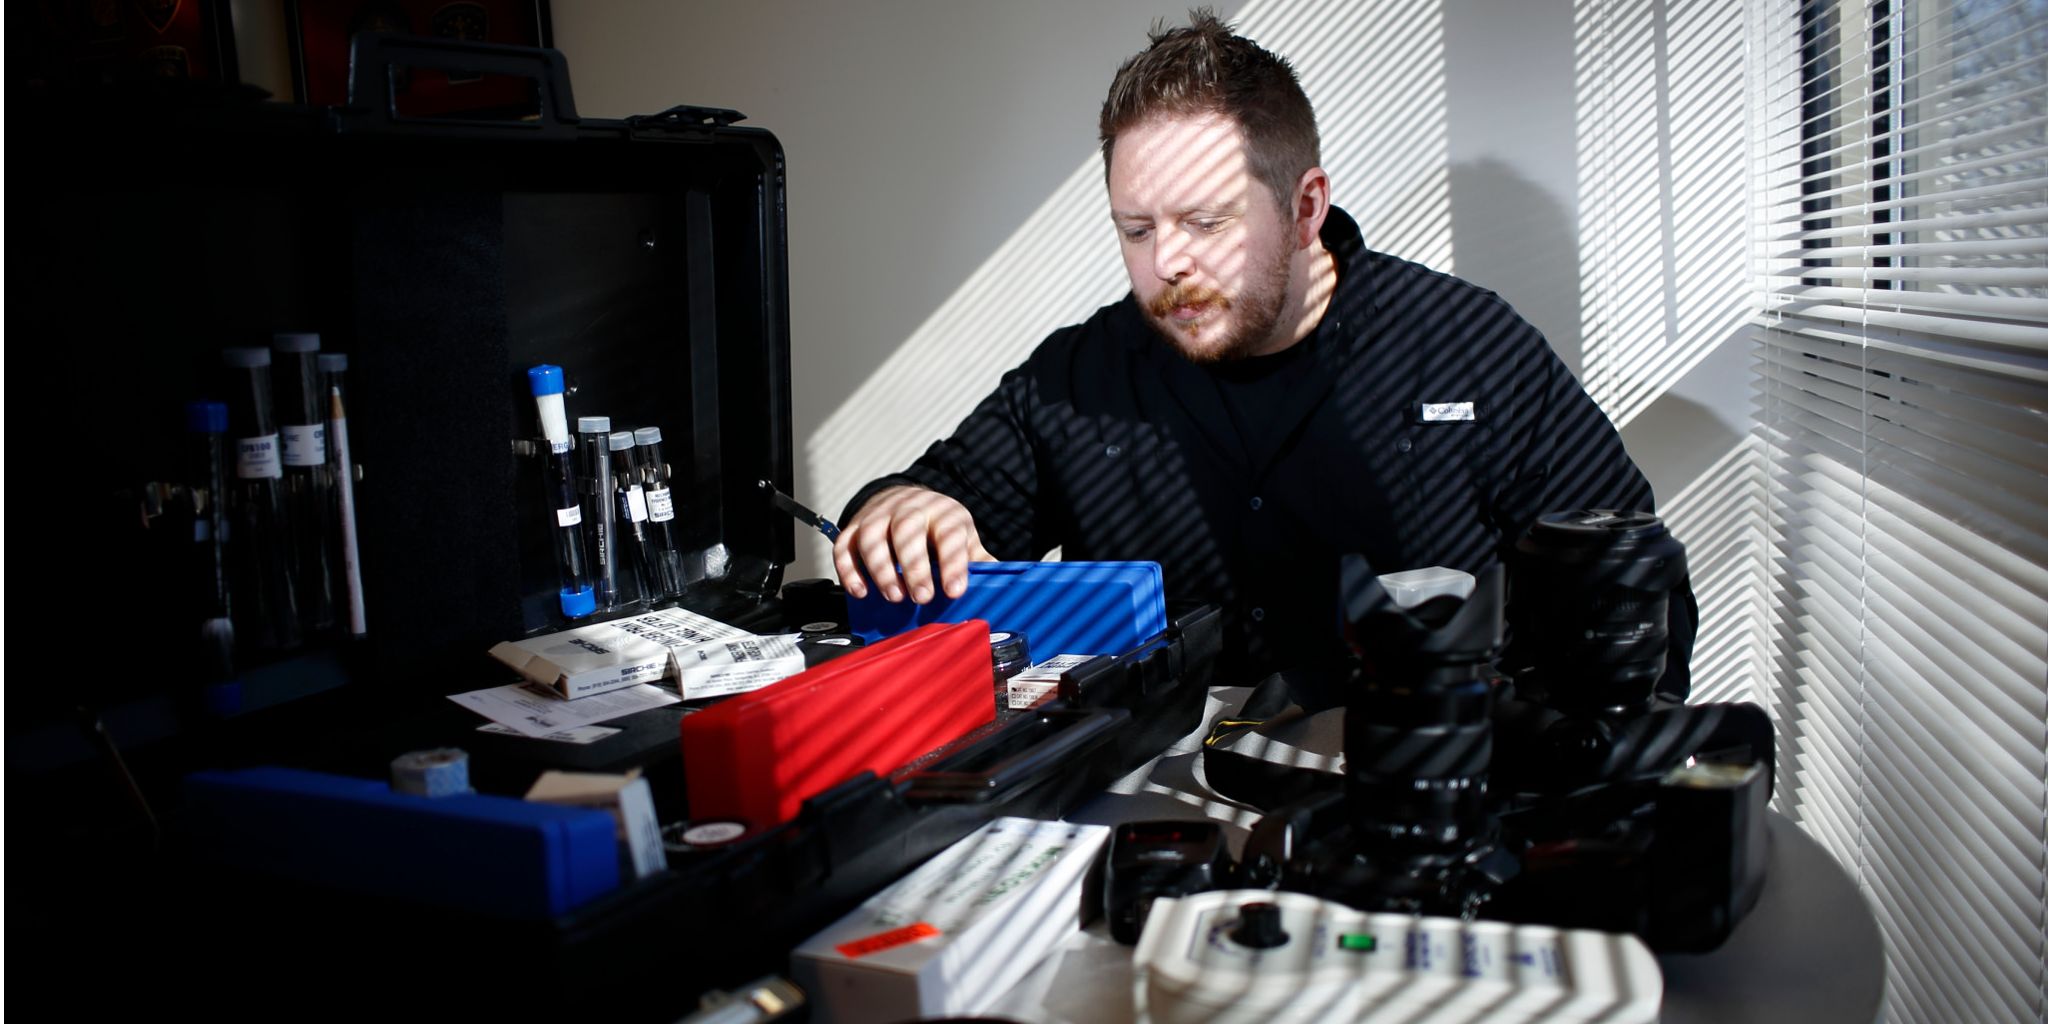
1009 647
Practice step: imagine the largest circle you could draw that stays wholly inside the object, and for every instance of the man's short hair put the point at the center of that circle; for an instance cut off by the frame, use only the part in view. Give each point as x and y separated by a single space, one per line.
1206 69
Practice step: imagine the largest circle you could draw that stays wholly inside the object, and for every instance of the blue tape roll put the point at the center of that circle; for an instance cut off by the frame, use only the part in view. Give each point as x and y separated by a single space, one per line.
440 772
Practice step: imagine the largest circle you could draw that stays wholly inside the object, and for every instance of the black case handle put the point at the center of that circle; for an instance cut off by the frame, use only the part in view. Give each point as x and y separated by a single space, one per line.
373 103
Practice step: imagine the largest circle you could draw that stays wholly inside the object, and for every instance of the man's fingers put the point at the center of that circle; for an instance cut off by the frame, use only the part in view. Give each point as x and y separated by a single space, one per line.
898 537
873 545
954 542
848 568
910 532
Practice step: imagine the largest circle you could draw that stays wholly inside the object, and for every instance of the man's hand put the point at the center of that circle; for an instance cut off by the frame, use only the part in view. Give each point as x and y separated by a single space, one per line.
911 527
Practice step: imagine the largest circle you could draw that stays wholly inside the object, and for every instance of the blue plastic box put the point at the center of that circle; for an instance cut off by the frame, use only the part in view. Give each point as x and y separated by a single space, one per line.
1061 607
489 854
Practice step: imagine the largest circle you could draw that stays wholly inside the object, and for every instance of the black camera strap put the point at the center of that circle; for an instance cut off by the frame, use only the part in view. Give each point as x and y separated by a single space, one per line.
1271 751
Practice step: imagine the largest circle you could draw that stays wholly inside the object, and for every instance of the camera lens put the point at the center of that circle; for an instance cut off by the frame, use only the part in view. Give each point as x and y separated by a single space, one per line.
1589 605
1418 732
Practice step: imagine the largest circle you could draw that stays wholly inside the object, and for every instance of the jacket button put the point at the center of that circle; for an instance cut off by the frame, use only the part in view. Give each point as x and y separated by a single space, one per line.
1113 450
1258 615
1257 502
1404 444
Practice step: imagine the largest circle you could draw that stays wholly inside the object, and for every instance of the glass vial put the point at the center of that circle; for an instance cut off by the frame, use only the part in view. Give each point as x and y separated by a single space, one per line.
594 448
308 479
664 546
266 613
629 501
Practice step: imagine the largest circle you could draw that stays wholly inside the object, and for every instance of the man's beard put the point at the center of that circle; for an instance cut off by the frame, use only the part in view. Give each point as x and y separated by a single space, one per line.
1257 309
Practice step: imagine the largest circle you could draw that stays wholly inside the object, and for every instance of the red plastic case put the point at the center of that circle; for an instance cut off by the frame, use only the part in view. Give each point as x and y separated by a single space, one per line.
757 757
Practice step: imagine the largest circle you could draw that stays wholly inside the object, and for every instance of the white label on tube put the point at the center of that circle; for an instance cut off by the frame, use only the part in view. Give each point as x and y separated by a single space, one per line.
256 458
571 516
660 507
554 421
305 446
636 504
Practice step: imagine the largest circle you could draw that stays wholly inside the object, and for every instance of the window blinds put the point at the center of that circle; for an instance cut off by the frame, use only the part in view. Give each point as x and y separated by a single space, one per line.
1900 242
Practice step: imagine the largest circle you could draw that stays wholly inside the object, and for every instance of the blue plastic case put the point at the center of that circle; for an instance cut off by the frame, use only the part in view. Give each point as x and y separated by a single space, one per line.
490 854
1061 607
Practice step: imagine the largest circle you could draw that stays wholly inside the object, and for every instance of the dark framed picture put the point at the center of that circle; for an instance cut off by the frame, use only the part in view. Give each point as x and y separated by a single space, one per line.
83 45
318 33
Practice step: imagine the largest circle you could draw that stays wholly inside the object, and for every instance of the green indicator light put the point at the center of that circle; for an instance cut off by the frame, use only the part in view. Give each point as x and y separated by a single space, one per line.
1356 943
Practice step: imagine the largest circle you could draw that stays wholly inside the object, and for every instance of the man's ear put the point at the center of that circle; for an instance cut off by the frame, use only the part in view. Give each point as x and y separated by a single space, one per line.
1311 206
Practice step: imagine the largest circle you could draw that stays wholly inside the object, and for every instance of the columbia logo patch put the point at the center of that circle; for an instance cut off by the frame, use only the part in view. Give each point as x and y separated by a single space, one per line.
1445 412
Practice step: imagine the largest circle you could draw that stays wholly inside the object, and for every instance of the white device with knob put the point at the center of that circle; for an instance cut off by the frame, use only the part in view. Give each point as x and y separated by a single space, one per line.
1260 956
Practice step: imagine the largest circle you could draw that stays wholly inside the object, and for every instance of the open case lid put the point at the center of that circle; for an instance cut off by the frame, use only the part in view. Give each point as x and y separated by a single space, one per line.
445 255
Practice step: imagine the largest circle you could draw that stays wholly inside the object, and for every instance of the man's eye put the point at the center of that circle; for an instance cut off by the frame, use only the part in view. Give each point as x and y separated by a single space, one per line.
1135 234
1208 227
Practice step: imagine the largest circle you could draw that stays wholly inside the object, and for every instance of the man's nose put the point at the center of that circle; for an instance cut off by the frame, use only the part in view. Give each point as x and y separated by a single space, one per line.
1172 255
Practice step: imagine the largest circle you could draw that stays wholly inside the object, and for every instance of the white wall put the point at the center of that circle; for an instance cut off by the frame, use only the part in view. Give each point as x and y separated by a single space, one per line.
944 211
919 135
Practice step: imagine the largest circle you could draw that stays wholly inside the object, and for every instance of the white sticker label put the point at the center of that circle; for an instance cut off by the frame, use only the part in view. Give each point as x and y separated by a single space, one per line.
1024 693
256 458
674 627
1053 668
571 516
305 446
633 504
1447 412
580 735
660 506
737 666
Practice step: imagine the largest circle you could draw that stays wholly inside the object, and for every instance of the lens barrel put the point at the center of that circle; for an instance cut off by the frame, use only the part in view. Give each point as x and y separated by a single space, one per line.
1590 606
1418 731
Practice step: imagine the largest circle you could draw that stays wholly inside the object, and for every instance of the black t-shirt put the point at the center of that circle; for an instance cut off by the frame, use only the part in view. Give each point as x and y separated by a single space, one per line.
1255 390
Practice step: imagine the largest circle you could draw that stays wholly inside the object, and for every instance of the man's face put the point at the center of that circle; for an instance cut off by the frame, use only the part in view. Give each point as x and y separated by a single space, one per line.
1208 250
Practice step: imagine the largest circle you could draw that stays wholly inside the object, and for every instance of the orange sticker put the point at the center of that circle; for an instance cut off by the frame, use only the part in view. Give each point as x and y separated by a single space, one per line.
890 939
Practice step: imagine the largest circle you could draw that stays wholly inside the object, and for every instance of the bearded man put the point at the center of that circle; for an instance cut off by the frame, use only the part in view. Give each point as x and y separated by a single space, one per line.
1270 396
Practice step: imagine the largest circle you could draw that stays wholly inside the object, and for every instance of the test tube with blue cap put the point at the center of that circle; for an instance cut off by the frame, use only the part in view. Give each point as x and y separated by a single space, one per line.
578 598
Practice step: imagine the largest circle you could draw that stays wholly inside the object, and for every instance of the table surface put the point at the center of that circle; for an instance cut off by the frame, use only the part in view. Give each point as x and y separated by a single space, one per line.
1808 953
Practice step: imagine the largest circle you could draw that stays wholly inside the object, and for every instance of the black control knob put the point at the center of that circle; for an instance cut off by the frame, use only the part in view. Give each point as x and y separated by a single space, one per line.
1258 926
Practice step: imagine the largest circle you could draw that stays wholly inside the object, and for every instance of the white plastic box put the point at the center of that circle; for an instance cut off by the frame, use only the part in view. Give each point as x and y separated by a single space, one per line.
952 936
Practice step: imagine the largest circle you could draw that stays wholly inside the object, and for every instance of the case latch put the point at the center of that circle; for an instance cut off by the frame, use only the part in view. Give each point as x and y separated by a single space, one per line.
684 115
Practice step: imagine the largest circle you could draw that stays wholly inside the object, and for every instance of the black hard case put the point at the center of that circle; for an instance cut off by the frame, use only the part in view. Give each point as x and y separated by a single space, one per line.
647 256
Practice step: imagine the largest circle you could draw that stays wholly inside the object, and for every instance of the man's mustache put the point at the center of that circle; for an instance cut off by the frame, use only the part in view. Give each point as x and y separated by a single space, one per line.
1176 296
